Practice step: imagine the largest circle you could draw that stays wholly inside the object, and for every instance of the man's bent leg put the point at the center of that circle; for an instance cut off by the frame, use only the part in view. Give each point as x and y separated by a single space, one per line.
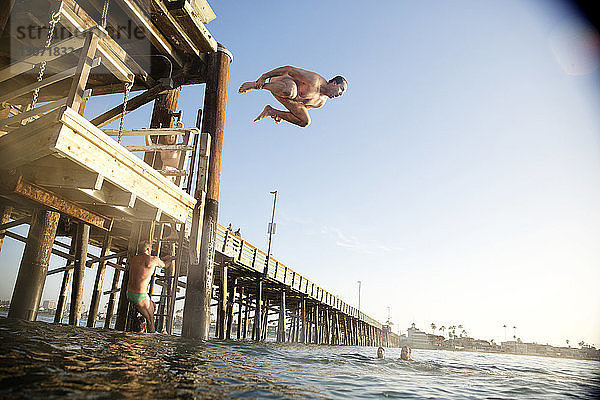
280 86
146 308
298 114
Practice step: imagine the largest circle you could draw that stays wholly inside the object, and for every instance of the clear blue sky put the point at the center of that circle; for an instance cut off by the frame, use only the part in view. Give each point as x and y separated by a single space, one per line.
458 178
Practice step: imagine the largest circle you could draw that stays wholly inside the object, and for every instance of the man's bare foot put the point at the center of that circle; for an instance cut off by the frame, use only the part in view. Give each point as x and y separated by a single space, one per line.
266 112
247 86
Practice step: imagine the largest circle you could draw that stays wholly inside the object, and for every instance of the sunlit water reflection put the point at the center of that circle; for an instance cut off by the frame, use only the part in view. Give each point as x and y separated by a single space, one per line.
56 361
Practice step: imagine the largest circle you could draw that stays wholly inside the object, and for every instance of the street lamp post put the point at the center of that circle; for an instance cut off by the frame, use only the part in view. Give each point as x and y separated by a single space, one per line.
271 229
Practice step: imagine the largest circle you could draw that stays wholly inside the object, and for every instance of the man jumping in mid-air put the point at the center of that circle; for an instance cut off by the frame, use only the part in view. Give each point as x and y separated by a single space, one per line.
298 90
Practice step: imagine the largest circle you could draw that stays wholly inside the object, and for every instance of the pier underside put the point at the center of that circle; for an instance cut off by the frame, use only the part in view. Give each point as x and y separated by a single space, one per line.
67 177
64 156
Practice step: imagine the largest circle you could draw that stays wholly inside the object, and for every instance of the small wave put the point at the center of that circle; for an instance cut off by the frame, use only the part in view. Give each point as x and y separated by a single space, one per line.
57 361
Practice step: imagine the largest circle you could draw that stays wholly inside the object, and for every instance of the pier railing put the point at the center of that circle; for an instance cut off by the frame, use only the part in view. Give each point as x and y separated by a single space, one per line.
244 253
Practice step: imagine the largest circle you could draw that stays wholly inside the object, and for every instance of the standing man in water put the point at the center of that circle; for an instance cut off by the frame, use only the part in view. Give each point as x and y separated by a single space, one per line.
141 268
298 90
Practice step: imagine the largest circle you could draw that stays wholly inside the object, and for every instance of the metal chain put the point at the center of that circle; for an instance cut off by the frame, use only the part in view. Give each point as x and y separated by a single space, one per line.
53 21
128 86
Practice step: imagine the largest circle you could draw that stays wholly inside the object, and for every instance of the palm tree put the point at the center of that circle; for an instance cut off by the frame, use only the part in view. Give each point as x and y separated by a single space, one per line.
568 343
581 343
442 328
514 331
433 328
505 332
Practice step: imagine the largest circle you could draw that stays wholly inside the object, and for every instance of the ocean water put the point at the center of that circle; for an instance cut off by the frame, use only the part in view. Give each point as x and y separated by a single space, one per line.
42 360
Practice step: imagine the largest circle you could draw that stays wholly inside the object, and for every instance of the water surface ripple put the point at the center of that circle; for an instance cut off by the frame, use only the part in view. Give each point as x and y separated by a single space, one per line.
42 360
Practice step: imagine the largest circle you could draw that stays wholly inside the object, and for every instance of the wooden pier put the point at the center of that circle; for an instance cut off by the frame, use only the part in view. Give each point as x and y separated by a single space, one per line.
76 185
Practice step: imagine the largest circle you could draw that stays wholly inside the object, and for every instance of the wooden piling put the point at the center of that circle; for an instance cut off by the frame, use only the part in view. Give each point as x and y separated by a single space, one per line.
317 330
304 336
81 247
265 319
327 327
99 283
34 265
230 302
222 307
5 212
196 317
66 281
239 318
281 335
163 112
113 293
246 311
257 334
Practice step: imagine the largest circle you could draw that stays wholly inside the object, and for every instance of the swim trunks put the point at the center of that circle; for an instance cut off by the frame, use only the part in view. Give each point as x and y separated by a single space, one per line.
135 298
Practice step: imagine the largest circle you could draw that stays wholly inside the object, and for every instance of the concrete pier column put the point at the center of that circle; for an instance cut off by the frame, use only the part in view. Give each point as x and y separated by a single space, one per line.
31 278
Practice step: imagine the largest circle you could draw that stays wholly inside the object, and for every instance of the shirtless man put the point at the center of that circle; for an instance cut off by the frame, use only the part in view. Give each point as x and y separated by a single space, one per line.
298 90
141 268
169 158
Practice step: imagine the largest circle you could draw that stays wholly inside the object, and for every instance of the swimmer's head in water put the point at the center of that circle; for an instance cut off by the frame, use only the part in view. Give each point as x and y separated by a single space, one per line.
144 247
380 352
405 353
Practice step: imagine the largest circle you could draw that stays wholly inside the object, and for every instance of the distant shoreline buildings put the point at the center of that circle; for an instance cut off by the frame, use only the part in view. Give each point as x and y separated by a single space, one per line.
419 339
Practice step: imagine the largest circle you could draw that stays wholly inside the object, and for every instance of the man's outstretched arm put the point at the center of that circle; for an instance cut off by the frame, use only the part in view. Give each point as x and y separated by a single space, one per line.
161 263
